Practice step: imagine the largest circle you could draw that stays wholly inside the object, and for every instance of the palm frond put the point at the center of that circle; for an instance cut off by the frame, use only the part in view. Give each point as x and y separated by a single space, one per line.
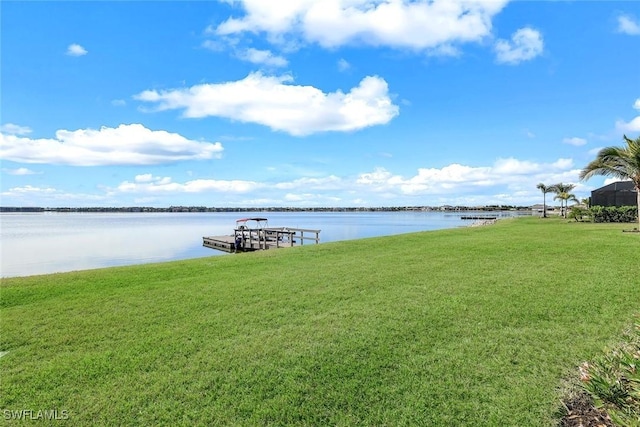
617 162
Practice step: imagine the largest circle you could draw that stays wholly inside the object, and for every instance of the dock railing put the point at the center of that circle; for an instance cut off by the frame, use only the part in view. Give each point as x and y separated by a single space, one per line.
302 237
279 236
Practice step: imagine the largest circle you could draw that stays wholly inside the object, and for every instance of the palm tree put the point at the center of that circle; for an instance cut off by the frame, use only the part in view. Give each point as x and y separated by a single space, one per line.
545 189
566 197
563 192
618 162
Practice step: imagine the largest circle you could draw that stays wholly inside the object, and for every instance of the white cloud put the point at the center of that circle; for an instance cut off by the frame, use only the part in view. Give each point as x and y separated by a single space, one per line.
631 126
125 145
508 181
525 44
76 50
395 23
627 25
561 164
19 171
28 189
515 174
628 127
608 181
513 166
149 187
144 178
274 102
331 182
147 183
445 50
213 45
29 195
13 129
594 151
575 141
118 102
263 57
343 64
152 184
312 199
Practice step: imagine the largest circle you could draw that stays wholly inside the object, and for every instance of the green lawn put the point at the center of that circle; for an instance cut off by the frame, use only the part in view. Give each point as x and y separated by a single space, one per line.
471 326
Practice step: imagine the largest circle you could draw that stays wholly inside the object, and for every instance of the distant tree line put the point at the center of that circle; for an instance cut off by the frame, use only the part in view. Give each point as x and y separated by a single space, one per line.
489 208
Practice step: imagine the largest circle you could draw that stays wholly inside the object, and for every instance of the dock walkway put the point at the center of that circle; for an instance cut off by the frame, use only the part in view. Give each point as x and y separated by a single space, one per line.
254 239
479 217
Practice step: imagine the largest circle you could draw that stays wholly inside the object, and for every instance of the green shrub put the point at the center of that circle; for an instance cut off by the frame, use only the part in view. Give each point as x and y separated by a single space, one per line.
614 213
580 214
613 380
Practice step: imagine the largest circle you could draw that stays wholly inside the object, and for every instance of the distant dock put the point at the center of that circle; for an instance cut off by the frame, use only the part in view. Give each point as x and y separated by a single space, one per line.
479 217
257 237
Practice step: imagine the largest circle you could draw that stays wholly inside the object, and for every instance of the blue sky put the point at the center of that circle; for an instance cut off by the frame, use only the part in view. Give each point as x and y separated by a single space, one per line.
311 102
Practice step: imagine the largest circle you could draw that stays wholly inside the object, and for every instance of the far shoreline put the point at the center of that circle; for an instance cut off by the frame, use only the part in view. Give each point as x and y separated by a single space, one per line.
187 209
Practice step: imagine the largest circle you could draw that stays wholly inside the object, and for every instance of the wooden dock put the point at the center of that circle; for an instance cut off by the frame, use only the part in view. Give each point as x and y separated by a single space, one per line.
479 217
255 239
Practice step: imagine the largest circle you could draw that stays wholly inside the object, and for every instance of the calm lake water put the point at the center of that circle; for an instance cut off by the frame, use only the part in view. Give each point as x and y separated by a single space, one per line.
41 243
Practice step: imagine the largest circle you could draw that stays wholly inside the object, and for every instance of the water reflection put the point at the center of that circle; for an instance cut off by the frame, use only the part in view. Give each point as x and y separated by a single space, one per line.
39 243
46 243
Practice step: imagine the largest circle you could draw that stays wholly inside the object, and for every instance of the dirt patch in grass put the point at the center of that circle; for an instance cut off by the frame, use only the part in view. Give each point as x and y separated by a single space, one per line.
582 413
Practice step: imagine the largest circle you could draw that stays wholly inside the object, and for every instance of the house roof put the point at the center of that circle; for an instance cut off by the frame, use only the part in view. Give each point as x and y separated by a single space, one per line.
617 186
